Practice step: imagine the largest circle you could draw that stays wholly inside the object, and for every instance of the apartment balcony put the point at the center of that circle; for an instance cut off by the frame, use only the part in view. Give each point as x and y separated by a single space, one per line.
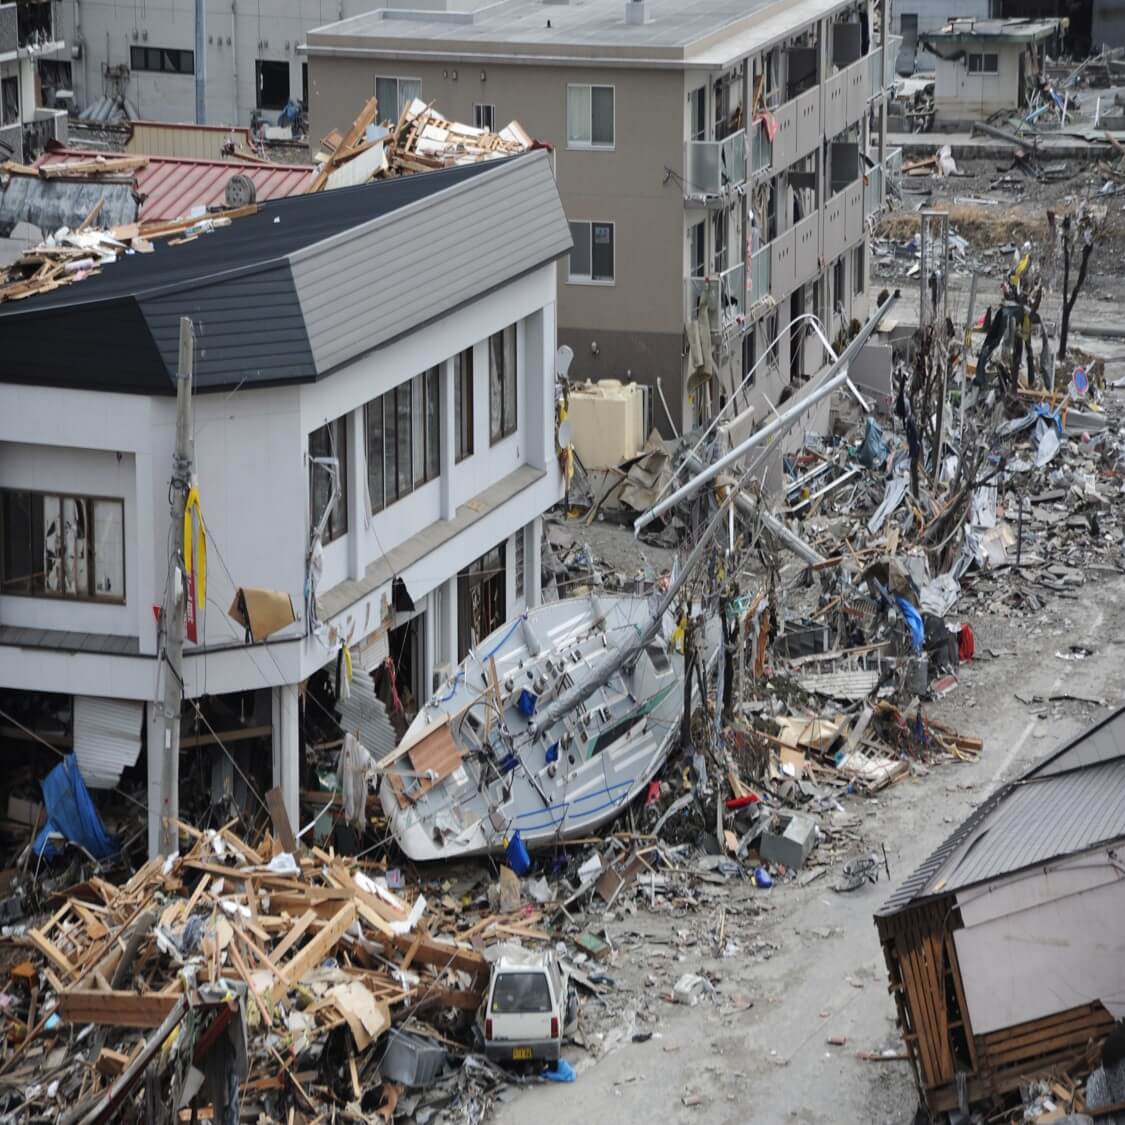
712 168
873 191
722 294
875 66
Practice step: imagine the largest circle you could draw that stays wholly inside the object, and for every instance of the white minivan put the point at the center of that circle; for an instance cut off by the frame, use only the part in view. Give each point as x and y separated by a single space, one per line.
530 1006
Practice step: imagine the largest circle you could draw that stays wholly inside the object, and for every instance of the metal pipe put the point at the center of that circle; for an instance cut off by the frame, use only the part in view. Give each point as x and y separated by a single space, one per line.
836 376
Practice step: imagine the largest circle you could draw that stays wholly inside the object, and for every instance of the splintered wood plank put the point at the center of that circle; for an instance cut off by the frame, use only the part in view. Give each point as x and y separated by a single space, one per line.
51 952
318 947
115 1009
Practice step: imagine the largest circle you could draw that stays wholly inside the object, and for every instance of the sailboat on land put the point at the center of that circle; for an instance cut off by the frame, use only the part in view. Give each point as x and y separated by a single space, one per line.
550 728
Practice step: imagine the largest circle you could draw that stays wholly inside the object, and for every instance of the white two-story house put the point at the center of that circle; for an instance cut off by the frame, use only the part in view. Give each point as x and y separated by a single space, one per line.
400 336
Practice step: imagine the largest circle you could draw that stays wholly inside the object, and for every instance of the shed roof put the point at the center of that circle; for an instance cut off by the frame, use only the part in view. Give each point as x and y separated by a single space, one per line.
1070 802
169 187
971 30
293 291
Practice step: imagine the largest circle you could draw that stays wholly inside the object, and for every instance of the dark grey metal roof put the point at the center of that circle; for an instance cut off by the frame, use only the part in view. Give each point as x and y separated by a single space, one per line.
1071 802
298 288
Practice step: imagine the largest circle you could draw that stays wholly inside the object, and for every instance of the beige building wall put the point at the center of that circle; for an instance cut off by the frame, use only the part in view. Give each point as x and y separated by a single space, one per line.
961 96
634 327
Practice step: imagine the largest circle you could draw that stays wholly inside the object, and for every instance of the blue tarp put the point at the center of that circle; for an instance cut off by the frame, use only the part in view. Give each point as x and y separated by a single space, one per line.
71 813
912 617
873 451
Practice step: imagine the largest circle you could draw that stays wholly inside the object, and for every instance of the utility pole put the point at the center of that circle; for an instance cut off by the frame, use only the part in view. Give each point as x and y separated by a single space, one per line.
201 62
172 612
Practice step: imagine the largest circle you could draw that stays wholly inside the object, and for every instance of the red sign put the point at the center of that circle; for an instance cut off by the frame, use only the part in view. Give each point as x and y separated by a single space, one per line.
189 613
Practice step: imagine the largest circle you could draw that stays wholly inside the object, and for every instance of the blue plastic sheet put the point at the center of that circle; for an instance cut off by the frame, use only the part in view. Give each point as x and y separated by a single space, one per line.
71 813
562 1072
914 619
873 451
518 859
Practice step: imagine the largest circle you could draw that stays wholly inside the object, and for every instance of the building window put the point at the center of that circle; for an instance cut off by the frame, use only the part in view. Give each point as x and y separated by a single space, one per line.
481 601
589 116
393 95
403 439
719 240
484 116
329 441
273 83
463 404
773 342
984 63
9 100
696 250
697 114
518 547
591 257
163 60
858 264
838 282
908 25
62 546
502 383
749 356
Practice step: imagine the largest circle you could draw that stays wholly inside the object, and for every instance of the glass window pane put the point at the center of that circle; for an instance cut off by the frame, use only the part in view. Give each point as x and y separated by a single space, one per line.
463 403
580 251
109 549
76 575
404 463
18 553
417 429
373 412
52 544
495 377
433 424
510 379
339 435
601 115
386 94
578 114
603 252
408 90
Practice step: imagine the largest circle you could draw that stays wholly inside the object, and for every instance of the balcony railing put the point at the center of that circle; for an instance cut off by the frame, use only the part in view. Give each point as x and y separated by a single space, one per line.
711 167
761 148
875 65
873 191
759 287
723 295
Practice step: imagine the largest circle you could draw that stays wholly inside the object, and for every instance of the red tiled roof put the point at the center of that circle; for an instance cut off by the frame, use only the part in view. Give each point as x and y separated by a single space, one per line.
172 186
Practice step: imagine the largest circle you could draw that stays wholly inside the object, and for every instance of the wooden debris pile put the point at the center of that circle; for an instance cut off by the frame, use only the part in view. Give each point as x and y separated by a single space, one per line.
312 957
72 255
420 141
105 169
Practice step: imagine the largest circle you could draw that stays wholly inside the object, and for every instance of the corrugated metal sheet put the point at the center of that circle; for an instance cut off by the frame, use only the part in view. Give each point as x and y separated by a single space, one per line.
170 187
1099 743
379 280
50 204
364 716
183 141
107 738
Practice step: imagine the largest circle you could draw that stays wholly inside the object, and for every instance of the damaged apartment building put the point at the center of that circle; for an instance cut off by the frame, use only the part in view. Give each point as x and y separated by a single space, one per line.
718 165
34 76
375 364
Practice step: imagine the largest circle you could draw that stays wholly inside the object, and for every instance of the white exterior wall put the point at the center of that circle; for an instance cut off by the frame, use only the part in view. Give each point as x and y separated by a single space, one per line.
959 95
251 464
238 34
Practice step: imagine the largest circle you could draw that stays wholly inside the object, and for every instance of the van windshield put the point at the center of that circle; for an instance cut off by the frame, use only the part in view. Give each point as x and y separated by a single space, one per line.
521 993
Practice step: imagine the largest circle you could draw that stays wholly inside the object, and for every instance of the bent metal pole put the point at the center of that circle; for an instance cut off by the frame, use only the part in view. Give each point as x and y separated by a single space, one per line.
836 376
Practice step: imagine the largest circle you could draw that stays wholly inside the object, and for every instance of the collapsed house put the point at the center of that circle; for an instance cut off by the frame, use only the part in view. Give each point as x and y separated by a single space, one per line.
1004 948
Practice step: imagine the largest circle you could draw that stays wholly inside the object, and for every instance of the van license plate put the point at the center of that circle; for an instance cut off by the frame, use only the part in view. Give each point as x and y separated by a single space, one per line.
521 1052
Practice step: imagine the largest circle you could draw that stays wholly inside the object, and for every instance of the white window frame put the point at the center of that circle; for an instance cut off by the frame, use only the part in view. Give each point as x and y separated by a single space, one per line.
396 79
982 55
591 145
581 279
477 115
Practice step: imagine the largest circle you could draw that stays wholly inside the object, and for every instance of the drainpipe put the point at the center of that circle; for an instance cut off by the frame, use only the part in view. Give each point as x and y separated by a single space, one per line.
234 52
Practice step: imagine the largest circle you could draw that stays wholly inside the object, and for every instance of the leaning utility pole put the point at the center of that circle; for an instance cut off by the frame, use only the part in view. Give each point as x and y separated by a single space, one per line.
172 612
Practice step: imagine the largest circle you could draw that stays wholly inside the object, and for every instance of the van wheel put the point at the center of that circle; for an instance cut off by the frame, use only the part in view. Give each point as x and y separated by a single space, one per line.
570 1023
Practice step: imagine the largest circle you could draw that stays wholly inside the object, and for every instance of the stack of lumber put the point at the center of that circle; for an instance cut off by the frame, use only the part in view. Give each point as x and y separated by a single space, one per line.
69 256
309 945
420 141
